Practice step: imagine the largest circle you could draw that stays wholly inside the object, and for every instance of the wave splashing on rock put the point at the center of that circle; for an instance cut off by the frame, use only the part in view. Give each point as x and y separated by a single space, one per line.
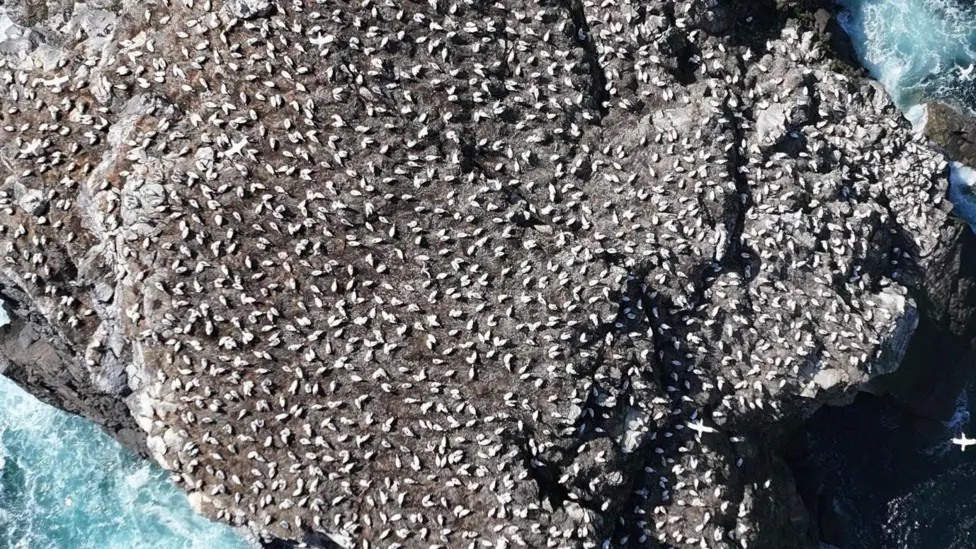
921 50
63 483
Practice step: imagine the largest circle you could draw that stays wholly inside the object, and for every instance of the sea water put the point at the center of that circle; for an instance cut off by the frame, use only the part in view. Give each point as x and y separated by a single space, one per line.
921 50
64 484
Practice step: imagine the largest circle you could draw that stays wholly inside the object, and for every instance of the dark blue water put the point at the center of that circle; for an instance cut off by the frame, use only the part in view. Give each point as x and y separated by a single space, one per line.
879 477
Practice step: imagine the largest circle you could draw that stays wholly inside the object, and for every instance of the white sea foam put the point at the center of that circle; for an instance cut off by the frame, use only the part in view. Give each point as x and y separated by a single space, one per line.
918 115
920 50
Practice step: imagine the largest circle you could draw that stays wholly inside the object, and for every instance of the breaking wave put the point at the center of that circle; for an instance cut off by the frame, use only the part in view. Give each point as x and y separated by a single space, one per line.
921 50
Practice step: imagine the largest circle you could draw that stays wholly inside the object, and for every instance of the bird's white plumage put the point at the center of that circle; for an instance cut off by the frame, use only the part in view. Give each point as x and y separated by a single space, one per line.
962 441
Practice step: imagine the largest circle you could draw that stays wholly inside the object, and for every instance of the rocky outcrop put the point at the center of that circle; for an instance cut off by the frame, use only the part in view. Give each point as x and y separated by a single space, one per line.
248 9
523 273
953 130
947 328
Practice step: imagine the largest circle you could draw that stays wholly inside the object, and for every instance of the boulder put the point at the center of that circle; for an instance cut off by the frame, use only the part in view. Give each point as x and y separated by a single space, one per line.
249 9
952 129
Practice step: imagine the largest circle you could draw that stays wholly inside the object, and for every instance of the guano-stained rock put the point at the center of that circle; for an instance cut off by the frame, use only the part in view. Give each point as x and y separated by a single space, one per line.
504 274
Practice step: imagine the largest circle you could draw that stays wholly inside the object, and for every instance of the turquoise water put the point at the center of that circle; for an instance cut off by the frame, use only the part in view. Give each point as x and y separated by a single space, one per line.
921 50
65 484
877 476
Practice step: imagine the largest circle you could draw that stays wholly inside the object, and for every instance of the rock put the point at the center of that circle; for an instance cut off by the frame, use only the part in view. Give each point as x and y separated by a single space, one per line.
33 202
711 16
905 318
16 42
198 501
157 448
104 292
831 382
946 331
771 123
634 430
841 46
953 130
249 9
205 158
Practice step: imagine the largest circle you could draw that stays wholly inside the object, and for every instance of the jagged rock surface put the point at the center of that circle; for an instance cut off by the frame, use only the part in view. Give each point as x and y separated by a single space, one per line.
951 129
459 273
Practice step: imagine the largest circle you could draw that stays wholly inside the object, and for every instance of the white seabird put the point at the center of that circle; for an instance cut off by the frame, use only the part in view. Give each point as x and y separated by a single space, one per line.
700 427
963 442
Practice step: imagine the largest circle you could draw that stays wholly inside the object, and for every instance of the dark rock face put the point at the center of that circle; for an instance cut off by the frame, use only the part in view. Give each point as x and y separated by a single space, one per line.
32 354
953 130
939 360
523 273
840 44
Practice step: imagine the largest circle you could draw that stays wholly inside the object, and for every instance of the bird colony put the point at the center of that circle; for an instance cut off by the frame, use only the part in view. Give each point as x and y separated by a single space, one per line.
455 273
